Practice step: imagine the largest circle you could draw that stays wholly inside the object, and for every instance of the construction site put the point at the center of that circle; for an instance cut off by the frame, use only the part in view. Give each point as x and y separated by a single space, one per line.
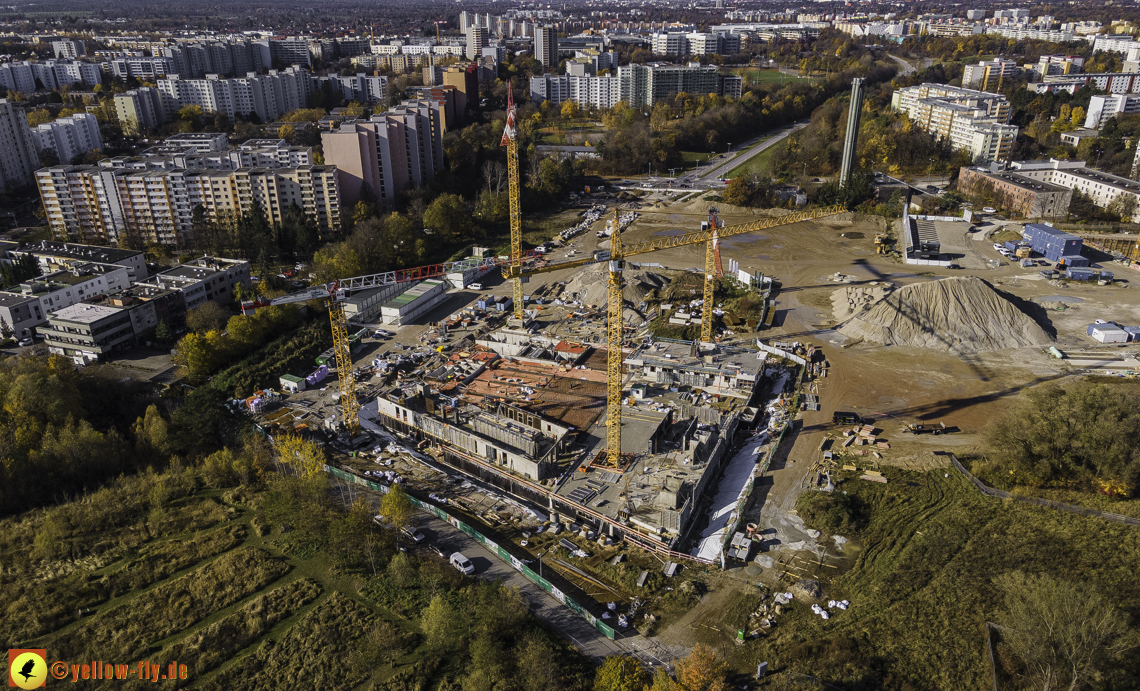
545 404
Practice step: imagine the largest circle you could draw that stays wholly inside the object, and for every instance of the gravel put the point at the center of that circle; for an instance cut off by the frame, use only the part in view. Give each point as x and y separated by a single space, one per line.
957 314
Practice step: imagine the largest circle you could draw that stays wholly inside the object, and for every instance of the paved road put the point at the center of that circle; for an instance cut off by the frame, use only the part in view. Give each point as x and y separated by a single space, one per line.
746 156
576 630
907 68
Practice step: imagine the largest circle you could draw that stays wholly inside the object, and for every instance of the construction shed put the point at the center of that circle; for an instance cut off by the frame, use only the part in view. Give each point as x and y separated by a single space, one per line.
1050 242
292 383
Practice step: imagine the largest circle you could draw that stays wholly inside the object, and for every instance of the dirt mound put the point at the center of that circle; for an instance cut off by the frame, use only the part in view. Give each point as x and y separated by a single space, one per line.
592 284
959 314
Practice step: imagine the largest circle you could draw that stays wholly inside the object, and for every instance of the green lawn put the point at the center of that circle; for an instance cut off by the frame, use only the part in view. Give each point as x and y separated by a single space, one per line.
759 75
761 163
921 589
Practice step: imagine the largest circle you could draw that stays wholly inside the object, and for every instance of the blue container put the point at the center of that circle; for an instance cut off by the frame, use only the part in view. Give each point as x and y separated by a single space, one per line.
1075 260
1078 274
1011 245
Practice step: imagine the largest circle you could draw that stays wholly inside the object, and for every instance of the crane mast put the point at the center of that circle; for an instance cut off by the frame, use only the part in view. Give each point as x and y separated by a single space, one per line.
510 140
615 336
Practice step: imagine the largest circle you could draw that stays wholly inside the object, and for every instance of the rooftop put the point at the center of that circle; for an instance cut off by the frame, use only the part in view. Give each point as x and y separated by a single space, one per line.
84 313
1022 181
10 299
95 253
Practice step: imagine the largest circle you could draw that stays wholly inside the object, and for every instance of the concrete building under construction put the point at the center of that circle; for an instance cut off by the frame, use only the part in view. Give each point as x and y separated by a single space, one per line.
526 411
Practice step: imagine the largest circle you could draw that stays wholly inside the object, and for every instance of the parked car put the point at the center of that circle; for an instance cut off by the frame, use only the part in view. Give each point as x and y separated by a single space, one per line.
476 286
998 246
462 563
989 210
438 550
416 535
25 342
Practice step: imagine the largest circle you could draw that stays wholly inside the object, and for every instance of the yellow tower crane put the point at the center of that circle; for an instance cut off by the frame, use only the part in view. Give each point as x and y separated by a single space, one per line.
713 271
615 326
342 348
510 140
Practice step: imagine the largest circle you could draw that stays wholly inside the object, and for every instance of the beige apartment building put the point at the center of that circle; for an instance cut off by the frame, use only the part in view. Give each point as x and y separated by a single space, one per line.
99 203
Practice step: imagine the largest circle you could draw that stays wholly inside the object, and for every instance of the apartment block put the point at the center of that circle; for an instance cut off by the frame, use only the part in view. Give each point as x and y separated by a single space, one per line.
1054 65
149 68
291 50
465 79
80 282
989 72
69 137
59 256
94 202
18 157
1102 187
205 278
1020 195
1104 108
546 46
88 333
17 76
360 87
21 312
392 150
975 121
67 48
139 110
268 96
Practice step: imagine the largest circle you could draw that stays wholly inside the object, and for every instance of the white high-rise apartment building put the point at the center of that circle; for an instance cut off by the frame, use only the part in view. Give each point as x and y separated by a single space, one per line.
976 121
18 158
269 96
69 137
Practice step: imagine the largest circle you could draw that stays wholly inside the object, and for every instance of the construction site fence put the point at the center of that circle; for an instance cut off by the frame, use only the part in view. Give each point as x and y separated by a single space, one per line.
739 513
490 544
791 357
1047 503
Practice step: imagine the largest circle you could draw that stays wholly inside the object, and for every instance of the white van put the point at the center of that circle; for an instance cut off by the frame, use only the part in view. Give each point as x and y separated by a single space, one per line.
462 563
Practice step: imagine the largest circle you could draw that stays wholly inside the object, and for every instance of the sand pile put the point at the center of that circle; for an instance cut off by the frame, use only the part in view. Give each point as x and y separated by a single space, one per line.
592 285
854 299
960 314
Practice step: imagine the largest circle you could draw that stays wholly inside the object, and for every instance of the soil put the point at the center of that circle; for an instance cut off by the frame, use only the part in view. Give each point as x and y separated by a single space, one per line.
894 385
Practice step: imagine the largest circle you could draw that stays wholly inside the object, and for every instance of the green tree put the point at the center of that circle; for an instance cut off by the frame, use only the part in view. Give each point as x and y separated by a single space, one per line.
447 217
621 673
196 354
1065 633
438 623
163 333
152 435
209 316
6 331
1082 433
396 508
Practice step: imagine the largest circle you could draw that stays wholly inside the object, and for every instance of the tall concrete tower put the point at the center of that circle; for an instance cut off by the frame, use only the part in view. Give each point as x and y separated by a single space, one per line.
853 113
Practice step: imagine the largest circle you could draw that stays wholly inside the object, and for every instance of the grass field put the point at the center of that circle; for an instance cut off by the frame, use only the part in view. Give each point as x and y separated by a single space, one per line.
921 589
761 163
759 75
158 567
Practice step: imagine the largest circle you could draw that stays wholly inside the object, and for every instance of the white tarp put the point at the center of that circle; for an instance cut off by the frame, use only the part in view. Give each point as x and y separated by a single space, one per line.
728 494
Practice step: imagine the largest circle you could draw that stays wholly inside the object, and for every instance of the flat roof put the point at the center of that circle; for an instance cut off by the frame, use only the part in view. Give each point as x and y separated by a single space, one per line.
1050 230
94 253
84 313
10 299
1021 180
